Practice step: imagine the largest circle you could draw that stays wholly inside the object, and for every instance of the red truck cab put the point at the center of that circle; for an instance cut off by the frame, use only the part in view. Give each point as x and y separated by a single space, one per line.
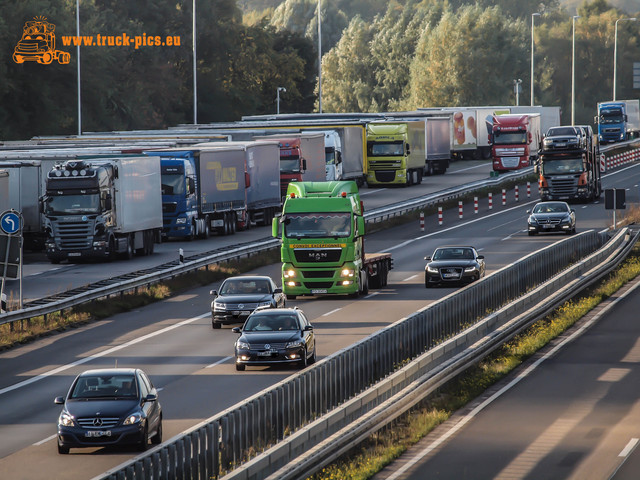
515 141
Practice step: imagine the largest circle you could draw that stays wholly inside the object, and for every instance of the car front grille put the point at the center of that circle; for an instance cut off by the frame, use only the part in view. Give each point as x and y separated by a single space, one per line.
98 422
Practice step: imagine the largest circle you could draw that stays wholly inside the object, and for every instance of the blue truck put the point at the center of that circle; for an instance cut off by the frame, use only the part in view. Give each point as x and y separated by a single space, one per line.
218 187
618 120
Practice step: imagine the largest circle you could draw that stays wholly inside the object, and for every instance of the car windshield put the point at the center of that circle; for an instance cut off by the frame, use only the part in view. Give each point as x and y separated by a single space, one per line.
550 208
105 386
453 254
556 132
317 225
244 287
271 323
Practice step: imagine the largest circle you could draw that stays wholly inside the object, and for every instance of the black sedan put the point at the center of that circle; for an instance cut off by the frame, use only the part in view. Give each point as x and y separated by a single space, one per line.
453 264
275 336
117 406
239 296
551 217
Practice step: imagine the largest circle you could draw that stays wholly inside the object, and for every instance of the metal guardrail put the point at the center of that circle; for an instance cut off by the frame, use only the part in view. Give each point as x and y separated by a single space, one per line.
230 443
135 280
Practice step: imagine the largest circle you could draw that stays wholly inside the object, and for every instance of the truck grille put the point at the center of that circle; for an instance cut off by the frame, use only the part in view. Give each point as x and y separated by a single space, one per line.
564 186
315 285
314 255
98 422
169 207
385 175
384 164
74 235
318 274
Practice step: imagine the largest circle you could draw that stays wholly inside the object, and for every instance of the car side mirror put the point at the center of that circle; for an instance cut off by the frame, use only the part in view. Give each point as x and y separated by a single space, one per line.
58 400
428 259
213 292
480 257
308 328
528 211
573 210
277 290
236 330
152 397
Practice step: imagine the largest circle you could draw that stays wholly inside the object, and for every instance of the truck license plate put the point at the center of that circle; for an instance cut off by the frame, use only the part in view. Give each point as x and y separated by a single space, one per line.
98 433
321 290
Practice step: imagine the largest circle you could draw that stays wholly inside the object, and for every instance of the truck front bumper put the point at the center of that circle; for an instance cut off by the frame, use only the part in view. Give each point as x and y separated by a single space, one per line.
387 177
96 251
328 281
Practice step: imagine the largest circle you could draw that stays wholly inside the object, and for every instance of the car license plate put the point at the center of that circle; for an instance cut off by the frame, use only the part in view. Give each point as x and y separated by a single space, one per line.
321 290
74 254
98 433
547 226
265 354
450 275
235 313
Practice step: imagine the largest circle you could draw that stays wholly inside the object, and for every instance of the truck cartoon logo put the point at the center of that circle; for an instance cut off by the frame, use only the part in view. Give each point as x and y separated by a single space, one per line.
38 43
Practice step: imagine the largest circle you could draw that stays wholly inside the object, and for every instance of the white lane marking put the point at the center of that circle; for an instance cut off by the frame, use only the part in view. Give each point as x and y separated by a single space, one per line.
629 448
403 244
332 311
468 168
45 440
410 278
466 419
370 191
371 295
108 351
219 362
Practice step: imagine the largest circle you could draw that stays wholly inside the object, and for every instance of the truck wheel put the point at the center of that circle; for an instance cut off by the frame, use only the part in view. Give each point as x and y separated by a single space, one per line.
207 228
47 58
112 249
365 287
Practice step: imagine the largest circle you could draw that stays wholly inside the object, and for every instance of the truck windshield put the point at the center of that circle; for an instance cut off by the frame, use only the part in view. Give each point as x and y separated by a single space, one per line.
61 204
317 225
386 149
611 116
290 164
511 138
566 165
173 184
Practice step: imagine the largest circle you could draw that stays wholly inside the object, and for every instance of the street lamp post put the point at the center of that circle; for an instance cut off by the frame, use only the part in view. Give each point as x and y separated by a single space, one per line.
536 14
615 52
516 89
319 58
573 73
283 90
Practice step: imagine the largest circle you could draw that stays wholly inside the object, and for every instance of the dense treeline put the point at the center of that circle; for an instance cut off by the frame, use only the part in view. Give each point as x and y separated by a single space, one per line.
377 55
239 67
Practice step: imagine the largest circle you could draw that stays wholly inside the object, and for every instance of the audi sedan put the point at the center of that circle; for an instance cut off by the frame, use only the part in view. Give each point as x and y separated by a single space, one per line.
453 265
272 336
551 217
106 407
239 296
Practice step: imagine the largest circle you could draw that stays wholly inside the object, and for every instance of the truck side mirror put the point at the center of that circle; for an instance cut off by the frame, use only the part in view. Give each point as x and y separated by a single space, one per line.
408 149
339 157
107 203
275 227
304 164
247 180
191 186
360 225
530 137
41 205
536 168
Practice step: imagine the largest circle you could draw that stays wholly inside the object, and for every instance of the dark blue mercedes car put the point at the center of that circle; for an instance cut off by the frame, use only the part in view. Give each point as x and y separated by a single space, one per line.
117 406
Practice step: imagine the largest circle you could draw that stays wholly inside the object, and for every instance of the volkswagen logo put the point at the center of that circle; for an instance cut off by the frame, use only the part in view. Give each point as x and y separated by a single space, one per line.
267 346
97 422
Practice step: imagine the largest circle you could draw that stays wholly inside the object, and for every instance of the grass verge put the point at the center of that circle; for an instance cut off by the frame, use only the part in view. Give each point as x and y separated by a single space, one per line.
388 444
28 330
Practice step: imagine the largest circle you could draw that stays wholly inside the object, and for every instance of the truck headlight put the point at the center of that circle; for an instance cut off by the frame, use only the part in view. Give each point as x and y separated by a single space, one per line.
347 272
289 273
181 220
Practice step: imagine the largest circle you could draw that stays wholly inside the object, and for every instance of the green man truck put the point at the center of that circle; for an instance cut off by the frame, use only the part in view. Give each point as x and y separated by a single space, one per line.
322 249
395 153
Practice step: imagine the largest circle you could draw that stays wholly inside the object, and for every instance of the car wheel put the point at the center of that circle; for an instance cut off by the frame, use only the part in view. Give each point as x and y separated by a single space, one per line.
144 443
216 325
157 438
62 450
312 360
304 361
240 367
531 233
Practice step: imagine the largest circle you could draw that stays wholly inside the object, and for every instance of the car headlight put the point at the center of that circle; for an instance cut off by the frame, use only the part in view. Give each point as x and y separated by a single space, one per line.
181 220
265 304
432 269
132 419
219 306
532 220
242 345
295 344
65 420
470 269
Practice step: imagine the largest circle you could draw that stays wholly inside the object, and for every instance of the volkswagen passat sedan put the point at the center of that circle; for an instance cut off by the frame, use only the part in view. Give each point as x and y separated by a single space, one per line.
453 264
275 336
239 296
117 406
551 217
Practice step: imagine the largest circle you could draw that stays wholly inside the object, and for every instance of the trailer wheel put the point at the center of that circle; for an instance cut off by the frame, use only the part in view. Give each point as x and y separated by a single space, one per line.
365 286
234 223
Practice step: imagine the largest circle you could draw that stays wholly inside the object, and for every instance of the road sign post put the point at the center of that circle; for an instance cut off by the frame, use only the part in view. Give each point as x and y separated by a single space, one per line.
11 248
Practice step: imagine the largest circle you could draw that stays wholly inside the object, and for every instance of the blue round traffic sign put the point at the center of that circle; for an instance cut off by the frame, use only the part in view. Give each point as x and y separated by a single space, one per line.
10 222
